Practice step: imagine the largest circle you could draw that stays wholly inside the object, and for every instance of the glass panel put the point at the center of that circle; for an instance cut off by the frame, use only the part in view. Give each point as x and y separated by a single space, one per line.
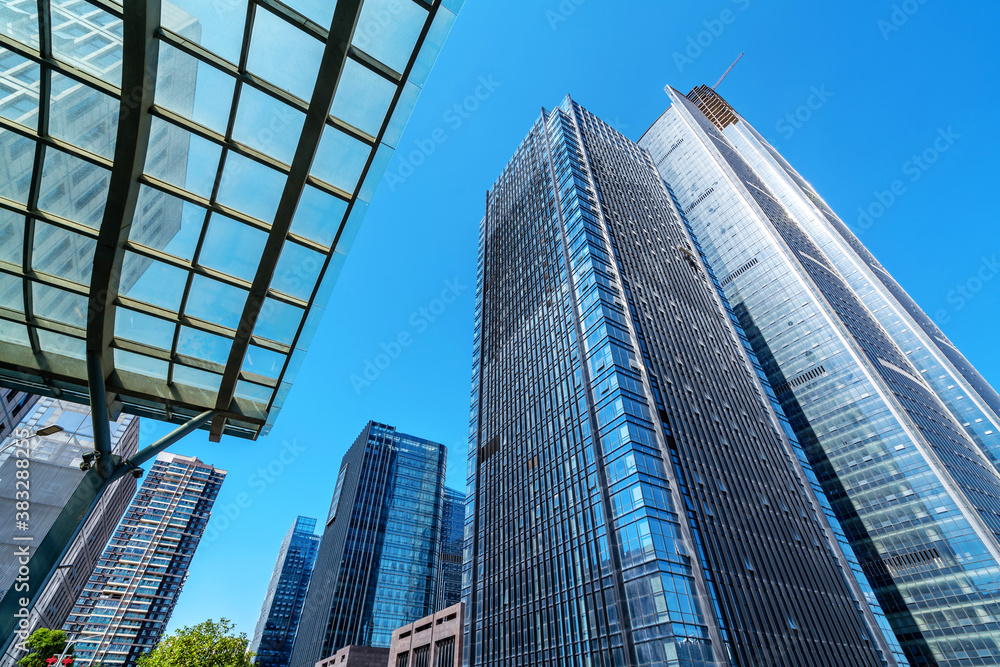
253 392
401 114
215 302
273 39
11 237
59 305
17 159
168 223
74 189
351 227
340 159
19 19
152 282
270 126
330 277
142 328
431 46
83 116
263 362
181 158
193 89
18 87
320 11
388 29
195 377
362 98
250 187
232 247
318 215
9 331
89 38
297 271
217 25
203 345
11 292
278 321
62 253
54 343
141 364
375 173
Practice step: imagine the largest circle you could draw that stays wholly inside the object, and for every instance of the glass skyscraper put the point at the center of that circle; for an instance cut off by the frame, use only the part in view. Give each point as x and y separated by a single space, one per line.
900 428
449 586
377 567
636 494
279 617
132 592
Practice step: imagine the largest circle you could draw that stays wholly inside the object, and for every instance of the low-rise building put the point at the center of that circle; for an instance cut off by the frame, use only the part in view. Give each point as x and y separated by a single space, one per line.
433 641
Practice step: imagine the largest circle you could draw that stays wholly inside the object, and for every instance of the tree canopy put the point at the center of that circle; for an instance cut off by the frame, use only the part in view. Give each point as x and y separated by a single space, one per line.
208 644
44 645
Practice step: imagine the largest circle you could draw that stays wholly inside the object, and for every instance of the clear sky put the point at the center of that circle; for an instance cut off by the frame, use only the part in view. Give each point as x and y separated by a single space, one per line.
884 88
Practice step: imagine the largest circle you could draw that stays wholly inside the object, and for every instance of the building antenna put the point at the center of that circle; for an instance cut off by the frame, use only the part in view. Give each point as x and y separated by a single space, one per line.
726 73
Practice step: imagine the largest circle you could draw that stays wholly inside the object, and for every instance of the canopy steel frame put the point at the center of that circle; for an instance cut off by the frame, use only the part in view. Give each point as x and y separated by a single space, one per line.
331 67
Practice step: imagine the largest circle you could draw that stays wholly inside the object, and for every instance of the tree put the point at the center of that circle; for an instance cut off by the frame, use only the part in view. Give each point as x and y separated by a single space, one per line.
45 645
207 644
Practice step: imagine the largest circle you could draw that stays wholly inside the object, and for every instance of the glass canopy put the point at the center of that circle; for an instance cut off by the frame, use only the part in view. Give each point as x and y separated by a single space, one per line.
180 183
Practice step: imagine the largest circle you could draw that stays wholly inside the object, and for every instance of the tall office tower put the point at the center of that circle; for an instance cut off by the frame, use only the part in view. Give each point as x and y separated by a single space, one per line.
279 617
899 427
449 583
53 475
131 594
378 562
635 496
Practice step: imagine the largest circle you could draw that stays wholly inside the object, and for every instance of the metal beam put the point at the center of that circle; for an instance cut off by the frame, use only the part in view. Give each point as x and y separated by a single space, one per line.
140 51
345 18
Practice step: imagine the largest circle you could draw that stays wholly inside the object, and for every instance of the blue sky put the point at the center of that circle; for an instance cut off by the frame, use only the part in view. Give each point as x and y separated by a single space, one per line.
885 85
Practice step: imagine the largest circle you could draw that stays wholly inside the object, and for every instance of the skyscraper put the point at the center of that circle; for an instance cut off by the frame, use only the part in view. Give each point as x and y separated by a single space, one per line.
636 496
901 429
54 474
132 592
449 585
279 617
377 567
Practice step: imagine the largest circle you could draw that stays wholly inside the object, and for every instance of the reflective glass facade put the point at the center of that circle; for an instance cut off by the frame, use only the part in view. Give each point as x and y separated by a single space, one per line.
180 183
377 566
286 593
131 594
635 494
897 425
449 586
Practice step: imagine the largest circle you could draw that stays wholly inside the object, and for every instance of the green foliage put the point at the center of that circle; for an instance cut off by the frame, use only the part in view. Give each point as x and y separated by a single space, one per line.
207 644
43 644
